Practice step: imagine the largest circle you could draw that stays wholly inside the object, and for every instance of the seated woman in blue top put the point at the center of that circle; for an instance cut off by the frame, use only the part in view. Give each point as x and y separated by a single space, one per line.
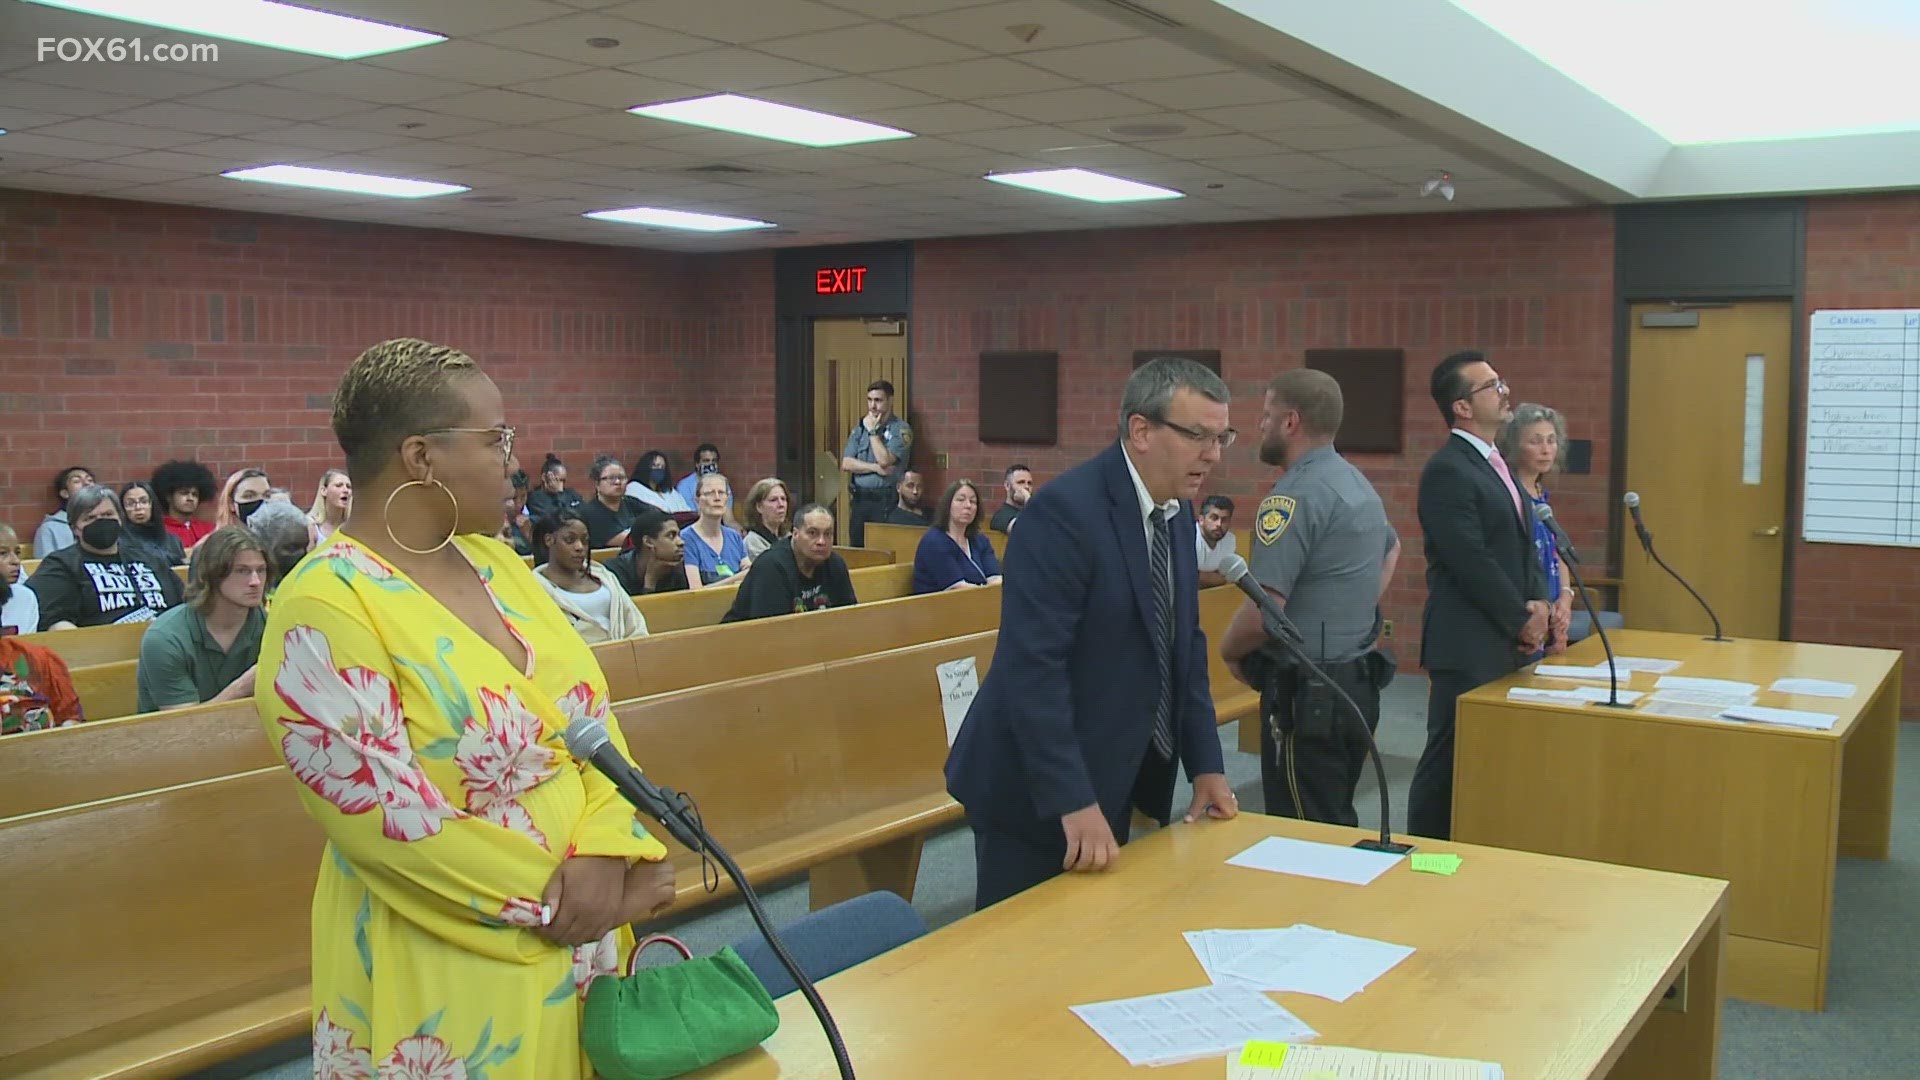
954 554
715 553
1534 443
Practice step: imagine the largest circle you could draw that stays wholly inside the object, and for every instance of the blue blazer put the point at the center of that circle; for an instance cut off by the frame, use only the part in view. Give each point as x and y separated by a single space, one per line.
938 563
1065 715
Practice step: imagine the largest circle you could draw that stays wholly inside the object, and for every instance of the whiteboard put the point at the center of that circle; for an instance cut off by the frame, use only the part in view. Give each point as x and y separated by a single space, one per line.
1863 428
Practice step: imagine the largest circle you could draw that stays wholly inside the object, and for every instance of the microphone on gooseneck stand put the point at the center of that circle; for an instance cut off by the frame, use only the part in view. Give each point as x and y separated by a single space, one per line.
1281 629
587 739
1632 499
1565 547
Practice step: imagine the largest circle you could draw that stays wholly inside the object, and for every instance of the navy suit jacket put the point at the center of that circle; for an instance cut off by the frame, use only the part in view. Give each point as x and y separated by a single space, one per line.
1065 715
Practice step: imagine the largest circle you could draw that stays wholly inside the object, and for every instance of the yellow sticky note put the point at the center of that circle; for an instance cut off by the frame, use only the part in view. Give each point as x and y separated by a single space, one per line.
1440 863
1264 1054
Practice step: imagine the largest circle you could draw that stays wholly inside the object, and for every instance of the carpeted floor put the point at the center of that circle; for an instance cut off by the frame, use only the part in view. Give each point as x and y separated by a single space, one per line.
1867 1031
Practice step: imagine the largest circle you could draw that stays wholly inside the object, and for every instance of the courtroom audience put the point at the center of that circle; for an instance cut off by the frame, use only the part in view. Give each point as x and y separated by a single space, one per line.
515 530
145 532
909 507
205 649
610 513
96 581
652 484
767 504
183 487
36 691
1213 538
332 501
715 550
552 495
287 535
1533 442
246 491
20 612
1019 485
593 600
954 553
56 529
800 573
655 562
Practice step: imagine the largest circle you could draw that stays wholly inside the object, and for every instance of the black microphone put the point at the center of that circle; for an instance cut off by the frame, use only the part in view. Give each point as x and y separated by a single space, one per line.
1632 499
587 740
1565 547
1281 629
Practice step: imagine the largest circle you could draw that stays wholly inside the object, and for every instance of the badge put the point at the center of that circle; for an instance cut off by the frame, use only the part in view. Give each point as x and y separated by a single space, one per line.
1272 519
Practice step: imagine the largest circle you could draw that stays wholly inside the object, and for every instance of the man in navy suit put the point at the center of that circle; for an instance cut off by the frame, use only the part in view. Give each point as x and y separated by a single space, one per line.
1486 590
1099 678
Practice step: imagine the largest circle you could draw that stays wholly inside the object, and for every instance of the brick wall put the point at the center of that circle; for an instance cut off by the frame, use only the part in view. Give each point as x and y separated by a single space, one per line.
131 333
1862 252
1533 289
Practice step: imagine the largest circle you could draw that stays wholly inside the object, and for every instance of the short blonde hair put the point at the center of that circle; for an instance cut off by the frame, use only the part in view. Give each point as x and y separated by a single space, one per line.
758 495
395 389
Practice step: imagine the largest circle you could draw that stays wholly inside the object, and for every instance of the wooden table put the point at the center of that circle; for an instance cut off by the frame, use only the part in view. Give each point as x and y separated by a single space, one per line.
1763 807
1551 967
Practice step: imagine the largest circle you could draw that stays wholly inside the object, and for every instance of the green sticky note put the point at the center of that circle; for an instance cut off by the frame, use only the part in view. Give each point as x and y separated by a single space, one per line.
1264 1054
1440 863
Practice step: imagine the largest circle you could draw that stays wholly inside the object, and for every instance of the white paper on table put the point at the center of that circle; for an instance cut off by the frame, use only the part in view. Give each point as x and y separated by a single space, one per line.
1577 671
1660 706
1711 686
1187 1025
1604 693
1217 948
1329 862
1324 963
1349 1063
1644 663
1813 687
1542 695
959 682
1790 717
1703 697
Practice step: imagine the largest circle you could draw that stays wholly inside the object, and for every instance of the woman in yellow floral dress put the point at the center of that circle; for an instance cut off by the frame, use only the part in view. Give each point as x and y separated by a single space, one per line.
416 679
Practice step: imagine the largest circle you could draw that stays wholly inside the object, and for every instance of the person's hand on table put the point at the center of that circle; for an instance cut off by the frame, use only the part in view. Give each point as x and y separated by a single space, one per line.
1090 842
1212 798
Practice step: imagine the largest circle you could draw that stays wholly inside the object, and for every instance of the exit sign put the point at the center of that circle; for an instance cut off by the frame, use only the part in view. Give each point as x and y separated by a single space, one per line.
839 280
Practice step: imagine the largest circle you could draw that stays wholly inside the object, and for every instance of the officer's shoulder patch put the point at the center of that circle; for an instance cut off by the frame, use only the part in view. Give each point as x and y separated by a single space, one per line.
1273 517
906 433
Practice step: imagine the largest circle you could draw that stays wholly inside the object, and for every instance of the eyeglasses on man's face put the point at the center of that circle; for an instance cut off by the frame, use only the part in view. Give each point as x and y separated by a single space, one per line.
1223 439
1497 385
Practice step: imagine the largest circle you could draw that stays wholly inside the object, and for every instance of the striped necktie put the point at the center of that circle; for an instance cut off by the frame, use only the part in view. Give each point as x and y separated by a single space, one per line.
1162 569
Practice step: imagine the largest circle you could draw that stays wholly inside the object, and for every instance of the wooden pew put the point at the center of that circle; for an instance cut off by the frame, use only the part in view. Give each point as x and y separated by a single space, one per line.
86 645
857 558
107 690
704 607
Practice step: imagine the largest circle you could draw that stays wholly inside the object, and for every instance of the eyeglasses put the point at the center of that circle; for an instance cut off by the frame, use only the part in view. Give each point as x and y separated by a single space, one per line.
504 433
1497 385
1223 439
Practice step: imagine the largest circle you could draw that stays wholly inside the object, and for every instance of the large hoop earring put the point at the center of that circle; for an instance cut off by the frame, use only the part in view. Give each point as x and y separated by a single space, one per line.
387 515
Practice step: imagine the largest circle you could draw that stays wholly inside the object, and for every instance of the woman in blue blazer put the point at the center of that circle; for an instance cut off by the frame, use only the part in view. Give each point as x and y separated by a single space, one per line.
953 554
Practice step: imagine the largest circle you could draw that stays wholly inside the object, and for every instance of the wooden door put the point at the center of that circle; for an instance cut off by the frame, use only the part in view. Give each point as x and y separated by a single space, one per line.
847 358
1707 452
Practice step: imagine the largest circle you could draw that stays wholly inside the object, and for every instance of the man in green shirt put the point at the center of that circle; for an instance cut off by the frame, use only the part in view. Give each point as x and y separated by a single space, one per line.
205 649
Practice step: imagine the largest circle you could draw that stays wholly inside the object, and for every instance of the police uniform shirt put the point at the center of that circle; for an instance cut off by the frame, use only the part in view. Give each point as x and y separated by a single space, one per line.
1319 539
898 435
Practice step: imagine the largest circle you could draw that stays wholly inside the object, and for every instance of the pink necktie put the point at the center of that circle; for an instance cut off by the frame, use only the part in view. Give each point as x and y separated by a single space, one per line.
1499 464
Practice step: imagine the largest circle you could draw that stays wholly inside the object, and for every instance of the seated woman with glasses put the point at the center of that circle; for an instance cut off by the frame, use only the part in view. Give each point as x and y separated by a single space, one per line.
609 514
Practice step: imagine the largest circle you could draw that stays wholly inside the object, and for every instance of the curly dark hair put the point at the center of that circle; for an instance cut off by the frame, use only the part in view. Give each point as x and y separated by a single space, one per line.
182 476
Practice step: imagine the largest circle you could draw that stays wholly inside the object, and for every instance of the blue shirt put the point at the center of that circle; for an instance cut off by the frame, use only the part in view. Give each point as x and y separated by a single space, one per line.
938 562
713 567
1545 551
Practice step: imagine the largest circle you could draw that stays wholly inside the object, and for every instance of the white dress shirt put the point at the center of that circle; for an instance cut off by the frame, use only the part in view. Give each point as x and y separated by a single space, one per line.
1212 555
1475 441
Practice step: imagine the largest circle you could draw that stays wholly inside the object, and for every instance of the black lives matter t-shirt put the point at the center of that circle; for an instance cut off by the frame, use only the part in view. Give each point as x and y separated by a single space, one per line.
79 587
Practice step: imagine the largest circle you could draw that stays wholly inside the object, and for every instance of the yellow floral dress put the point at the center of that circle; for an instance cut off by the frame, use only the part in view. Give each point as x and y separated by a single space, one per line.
448 798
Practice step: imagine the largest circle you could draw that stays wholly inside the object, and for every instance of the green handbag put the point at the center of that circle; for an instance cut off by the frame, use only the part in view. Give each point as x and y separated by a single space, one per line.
662 1022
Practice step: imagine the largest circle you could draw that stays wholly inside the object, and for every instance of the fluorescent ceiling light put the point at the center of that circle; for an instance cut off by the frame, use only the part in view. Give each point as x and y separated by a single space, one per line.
769 120
1085 184
1711 71
331 180
679 219
261 22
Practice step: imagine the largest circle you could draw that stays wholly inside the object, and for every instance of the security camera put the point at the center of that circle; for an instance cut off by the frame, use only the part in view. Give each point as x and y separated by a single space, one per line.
1440 183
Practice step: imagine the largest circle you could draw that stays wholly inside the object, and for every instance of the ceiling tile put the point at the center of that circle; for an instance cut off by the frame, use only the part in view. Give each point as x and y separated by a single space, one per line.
29 142
1208 91
894 9
737 21
1328 181
1211 146
1022 139
962 80
1390 157
435 152
1124 61
111 170
985 27
941 118
243 153
392 118
849 95
506 107
803 159
177 117
276 102
471 61
526 140
1190 126
42 97
145 82
131 136
566 39
924 148
630 157
609 89
886 172
13 119
1060 106
733 69
334 138
454 18
868 48
606 125
1272 164
44 181
1348 137
365 82
175 161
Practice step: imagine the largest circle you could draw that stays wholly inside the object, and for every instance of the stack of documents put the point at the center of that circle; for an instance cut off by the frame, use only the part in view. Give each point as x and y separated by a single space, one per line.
1644 663
1188 1025
1816 721
1707 686
1577 671
1813 687
1270 1061
1329 862
1300 960
1579 695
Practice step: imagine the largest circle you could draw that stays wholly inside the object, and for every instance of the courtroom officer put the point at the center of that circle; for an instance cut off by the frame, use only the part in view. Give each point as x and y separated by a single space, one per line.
1322 546
874 460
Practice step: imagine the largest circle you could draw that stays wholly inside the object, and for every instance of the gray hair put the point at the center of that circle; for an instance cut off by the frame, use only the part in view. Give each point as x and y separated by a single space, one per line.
81 502
1525 416
1150 389
283 529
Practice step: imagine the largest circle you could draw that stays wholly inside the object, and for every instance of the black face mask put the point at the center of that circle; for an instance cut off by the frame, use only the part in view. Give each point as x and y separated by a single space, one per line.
246 509
101 533
658 476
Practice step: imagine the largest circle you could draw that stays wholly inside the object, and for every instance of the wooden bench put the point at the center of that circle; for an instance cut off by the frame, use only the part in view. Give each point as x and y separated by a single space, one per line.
107 690
85 645
704 607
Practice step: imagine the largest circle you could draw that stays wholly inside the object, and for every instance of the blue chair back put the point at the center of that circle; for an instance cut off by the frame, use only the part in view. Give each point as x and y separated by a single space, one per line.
834 939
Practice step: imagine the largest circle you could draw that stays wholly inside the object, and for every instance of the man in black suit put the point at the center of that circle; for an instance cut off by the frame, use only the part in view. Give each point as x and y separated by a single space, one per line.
1486 592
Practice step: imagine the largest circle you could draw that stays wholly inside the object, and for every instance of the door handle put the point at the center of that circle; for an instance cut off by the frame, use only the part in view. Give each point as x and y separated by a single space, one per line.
1771 530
